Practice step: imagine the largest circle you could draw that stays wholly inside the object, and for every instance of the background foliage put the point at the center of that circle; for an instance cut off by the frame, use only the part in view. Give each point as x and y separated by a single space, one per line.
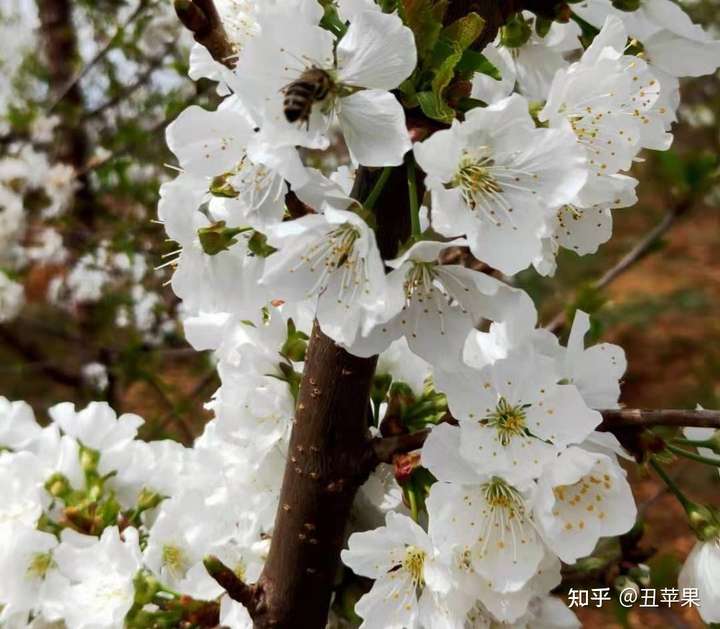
112 100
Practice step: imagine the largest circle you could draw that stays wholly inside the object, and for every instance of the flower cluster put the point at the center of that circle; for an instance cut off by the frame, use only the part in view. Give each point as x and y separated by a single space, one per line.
513 478
95 530
523 481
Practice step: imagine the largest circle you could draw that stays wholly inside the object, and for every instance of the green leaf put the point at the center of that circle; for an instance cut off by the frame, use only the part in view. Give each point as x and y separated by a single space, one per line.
463 32
433 106
473 61
295 344
451 46
408 94
425 20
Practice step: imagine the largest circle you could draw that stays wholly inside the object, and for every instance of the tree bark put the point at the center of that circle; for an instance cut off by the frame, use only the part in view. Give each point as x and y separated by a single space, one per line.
71 144
201 17
327 462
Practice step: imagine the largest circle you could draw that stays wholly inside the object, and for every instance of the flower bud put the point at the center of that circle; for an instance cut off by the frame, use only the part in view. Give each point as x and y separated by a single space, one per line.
405 465
516 32
89 460
58 486
148 500
626 5
542 26
714 442
704 521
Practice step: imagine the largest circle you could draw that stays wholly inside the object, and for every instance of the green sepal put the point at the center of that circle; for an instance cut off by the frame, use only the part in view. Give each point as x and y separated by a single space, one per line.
221 187
416 490
295 345
257 244
217 237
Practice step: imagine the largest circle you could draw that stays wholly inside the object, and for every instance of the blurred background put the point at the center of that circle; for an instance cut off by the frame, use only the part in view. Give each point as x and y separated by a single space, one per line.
86 91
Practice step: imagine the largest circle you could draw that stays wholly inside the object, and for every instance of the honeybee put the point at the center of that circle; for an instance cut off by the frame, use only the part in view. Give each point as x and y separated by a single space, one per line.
312 87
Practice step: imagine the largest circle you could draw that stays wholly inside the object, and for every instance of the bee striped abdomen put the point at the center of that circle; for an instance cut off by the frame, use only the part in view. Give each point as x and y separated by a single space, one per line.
313 86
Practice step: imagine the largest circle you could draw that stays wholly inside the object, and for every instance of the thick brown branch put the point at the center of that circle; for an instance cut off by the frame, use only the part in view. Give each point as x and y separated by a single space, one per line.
327 463
201 17
384 449
233 585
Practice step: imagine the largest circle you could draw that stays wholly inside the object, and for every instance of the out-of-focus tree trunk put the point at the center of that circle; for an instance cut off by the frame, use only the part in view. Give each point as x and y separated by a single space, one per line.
71 146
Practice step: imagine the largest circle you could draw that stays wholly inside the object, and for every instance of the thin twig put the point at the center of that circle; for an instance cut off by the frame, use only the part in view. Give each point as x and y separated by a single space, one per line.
99 55
646 418
635 255
233 585
93 164
34 356
202 19
173 411
613 419
129 90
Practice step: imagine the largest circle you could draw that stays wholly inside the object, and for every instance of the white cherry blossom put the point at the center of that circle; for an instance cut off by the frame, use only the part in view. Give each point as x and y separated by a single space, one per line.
670 40
223 148
96 426
101 573
400 557
332 256
496 177
514 416
581 497
702 571
375 55
24 497
18 427
595 371
29 579
434 305
491 526
531 66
